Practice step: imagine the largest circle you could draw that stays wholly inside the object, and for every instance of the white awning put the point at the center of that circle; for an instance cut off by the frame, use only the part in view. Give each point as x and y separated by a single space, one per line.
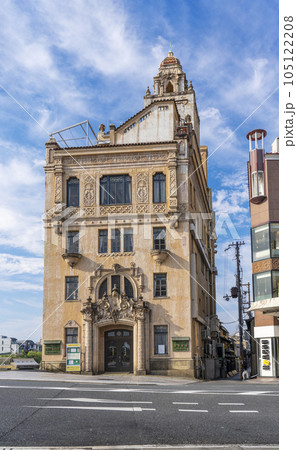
268 306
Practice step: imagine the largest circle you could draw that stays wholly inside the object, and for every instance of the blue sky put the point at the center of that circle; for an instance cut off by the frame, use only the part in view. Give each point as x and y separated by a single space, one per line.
64 62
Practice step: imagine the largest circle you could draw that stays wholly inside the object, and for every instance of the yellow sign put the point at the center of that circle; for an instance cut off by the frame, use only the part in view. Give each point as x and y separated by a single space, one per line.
266 362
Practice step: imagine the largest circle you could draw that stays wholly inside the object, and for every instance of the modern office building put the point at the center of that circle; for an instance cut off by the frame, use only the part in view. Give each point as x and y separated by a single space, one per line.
263 175
129 242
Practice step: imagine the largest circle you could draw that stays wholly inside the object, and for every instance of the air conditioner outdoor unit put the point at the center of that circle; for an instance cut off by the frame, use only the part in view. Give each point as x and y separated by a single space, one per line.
205 333
208 349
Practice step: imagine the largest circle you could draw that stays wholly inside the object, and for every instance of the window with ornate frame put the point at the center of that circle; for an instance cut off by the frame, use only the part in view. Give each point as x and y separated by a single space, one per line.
122 284
73 191
115 190
159 188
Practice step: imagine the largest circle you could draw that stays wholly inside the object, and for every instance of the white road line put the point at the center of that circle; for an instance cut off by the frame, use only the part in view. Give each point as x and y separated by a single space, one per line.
194 410
92 400
184 403
230 404
97 408
144 391
243 411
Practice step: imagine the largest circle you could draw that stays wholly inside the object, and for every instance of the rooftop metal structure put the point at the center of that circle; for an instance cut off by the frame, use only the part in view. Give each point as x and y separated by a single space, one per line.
78 132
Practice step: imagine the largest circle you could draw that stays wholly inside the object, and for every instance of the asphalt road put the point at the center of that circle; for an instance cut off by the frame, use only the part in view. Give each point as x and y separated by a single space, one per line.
43 413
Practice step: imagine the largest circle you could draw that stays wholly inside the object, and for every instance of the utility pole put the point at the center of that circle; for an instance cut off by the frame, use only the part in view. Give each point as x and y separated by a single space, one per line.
237 246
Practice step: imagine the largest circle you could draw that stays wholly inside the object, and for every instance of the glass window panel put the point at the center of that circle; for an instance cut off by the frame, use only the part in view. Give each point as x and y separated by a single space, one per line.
161 339
115 190
71 335
103 241
103 288
274 233
160 285
128 239
73 192
116 282
254 184
73 242
71 288
262 286
128 288
104 191
275 283
128 189
159 235
260 242
159 188
115 240
260 182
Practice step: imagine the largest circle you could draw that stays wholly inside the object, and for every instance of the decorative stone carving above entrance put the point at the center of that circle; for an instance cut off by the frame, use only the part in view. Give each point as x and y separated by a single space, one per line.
113 308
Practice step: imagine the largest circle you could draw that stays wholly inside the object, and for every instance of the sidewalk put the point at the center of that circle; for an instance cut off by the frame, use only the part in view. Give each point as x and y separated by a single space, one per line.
117 378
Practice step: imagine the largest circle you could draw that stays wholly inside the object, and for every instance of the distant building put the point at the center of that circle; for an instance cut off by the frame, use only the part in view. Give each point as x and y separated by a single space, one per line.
131 277
263 175
7 345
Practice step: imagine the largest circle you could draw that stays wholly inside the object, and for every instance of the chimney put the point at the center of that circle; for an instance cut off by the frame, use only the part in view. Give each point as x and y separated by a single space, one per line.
112 133
275 146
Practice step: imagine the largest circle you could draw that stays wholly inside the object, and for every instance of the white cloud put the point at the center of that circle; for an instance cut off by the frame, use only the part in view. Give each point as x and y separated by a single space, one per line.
15 265
13 285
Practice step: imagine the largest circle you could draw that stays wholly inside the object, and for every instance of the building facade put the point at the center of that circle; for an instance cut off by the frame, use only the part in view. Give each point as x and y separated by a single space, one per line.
129 242
263 174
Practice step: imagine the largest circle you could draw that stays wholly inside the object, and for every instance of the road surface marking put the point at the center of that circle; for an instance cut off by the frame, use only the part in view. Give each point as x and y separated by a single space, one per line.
243 411
194 410
183 403
229 404
144 391
97 408
90 400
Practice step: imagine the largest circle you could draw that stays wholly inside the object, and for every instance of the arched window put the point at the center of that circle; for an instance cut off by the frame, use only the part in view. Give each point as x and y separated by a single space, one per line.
73 192
122 284
159 188
169 87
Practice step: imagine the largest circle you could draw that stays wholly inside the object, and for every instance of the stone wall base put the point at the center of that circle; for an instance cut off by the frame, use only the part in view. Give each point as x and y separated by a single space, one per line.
172 367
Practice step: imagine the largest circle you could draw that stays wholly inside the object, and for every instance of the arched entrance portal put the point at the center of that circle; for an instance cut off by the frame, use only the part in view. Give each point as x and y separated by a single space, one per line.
118 350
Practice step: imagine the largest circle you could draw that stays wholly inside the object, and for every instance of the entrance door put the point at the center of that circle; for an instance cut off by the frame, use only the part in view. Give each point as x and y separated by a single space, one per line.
118 351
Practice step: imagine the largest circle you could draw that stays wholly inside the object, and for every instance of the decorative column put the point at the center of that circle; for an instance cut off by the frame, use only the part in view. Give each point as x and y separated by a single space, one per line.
88 316
172 165
140 347
88 346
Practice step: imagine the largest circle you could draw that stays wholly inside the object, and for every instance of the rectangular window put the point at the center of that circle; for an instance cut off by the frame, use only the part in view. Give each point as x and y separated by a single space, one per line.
159 237
160 285
159 188
262 286
260 182
71 288
115 240
71 335
128 239
274 234
275 283
260 242
115 190
103 241
52 349
73 242
254 184
73 192
161 339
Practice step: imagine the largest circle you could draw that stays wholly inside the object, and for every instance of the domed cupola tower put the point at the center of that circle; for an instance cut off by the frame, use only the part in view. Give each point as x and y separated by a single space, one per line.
171 79
171 83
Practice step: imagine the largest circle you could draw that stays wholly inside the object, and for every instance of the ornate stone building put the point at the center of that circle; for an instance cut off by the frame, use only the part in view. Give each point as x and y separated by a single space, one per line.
129 242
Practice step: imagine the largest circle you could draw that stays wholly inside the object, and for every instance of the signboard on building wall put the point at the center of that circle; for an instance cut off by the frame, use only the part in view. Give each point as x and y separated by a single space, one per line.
73 358
265 358
181 344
